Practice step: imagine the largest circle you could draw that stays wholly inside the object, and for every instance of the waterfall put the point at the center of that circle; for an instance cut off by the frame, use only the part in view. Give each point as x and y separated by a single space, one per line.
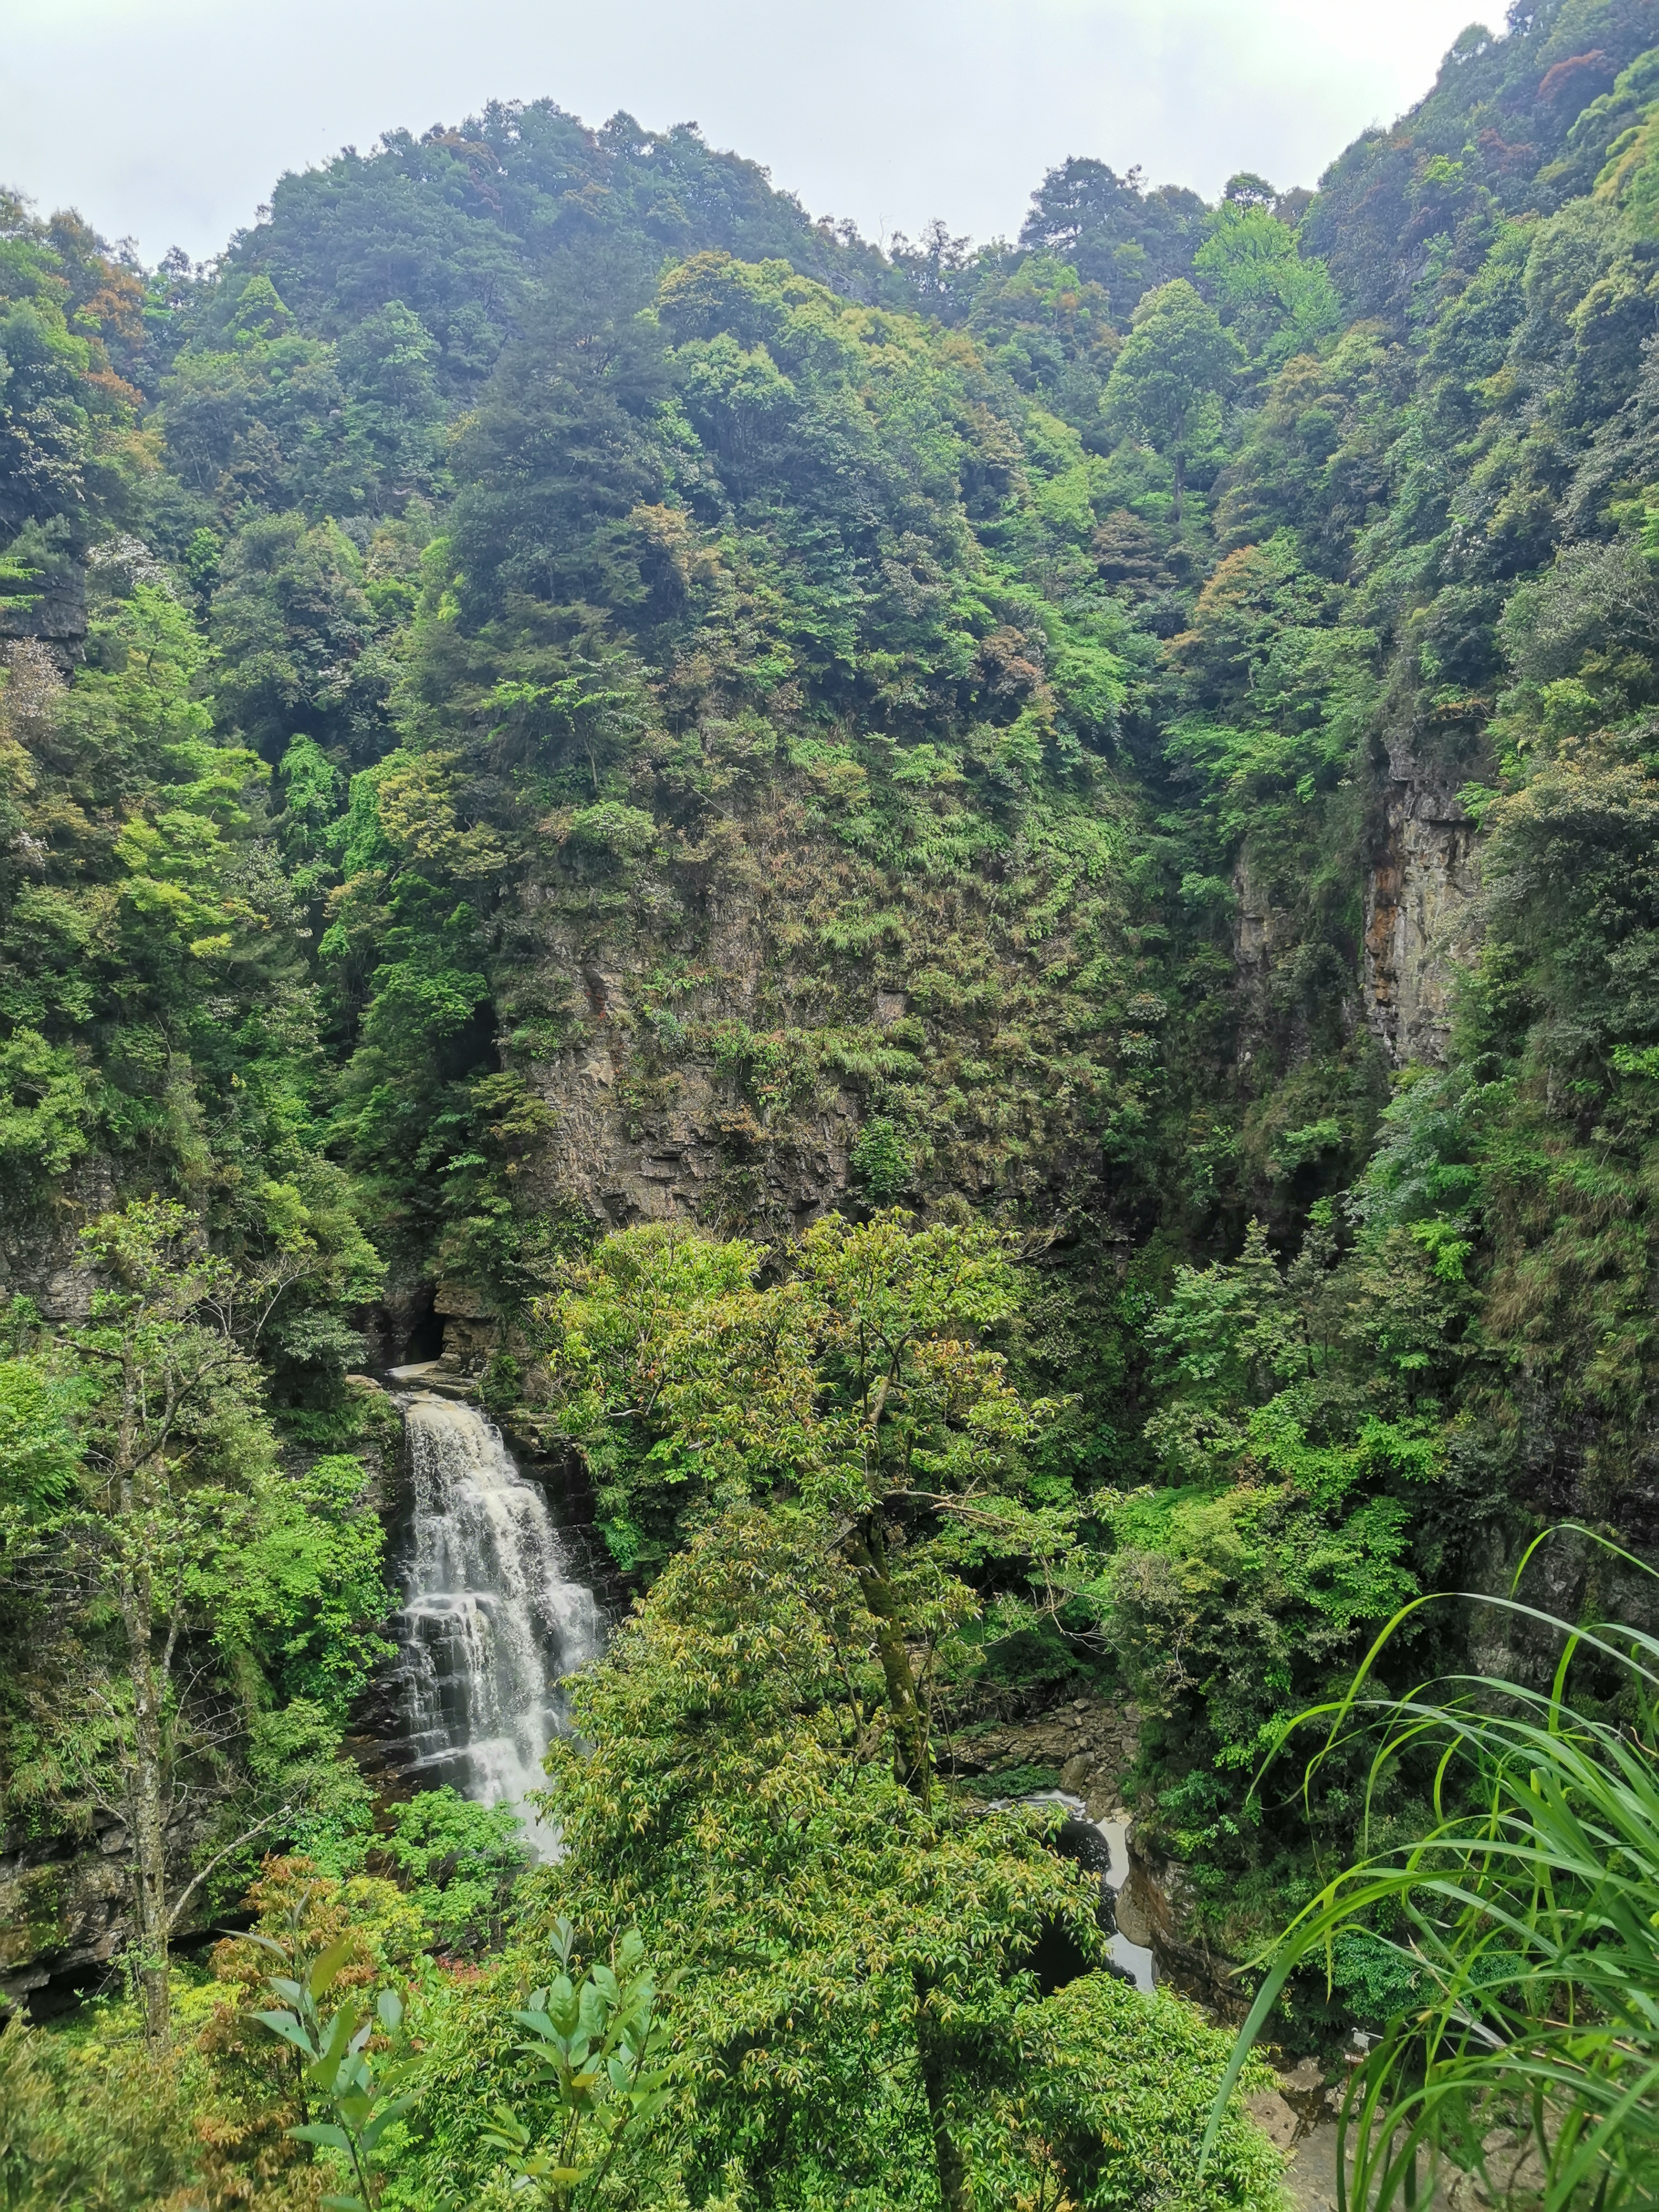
490 1618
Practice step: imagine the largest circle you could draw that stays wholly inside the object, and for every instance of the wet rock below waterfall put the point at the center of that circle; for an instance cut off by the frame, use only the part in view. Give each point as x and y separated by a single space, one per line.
1084 1746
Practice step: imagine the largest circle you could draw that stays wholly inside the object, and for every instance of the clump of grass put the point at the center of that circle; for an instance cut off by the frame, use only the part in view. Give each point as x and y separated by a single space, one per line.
1017 1780
1526 1921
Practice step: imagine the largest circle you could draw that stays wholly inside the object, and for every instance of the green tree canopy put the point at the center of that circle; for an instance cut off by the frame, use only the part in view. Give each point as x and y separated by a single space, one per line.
1176 362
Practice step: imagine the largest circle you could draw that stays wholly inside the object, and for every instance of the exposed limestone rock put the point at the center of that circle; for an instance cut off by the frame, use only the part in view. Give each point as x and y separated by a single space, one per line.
1310 2181
1304 2087
38 1254
1088 1746
1262 933
59 1914
56 610
1274 2117
471 1329
1420 920
63 1904
627 1151
1419 913
1155 1909
1259 928
1514 2174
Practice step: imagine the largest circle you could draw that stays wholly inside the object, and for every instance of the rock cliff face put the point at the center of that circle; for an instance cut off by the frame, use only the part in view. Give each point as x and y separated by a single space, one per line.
638 1007
65 1913
64 1905
625 1147
37 1254
1421 922
1264 936
1420 916
710 1027
1087 1746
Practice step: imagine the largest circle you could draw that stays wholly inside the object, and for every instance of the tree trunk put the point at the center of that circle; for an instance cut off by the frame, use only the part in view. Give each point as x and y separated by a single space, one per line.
913 1770
955 2190
146 1785
150 1872
912 1767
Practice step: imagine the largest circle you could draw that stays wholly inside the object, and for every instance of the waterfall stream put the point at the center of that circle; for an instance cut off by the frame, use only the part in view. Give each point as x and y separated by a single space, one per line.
1102 1846
490 1618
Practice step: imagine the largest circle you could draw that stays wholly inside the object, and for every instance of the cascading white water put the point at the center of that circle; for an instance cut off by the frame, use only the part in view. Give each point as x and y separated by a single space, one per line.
490 1618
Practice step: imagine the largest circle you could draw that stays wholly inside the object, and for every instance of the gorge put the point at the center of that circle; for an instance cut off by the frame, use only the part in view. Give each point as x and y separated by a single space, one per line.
969 934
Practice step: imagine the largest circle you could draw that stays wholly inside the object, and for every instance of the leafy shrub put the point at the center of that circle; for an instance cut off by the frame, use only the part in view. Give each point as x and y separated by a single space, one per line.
114 2137
883 1159
460 1862
1121 2084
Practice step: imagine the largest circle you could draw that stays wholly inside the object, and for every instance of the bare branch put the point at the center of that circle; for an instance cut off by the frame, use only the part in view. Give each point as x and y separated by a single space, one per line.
219 1858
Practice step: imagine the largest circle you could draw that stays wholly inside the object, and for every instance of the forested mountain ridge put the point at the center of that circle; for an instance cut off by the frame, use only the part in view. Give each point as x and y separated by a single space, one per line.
566 725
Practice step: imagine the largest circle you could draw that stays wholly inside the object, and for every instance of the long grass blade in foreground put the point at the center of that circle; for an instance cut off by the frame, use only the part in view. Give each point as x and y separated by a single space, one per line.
1529 1917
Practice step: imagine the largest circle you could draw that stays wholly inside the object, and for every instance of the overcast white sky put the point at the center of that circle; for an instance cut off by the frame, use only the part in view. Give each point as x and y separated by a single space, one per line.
169 120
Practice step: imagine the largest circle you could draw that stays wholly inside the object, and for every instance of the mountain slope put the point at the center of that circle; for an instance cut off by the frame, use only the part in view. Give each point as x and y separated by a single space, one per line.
549 692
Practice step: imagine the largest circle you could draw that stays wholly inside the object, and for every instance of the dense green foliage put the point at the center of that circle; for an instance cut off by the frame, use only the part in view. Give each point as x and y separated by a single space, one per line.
822 836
